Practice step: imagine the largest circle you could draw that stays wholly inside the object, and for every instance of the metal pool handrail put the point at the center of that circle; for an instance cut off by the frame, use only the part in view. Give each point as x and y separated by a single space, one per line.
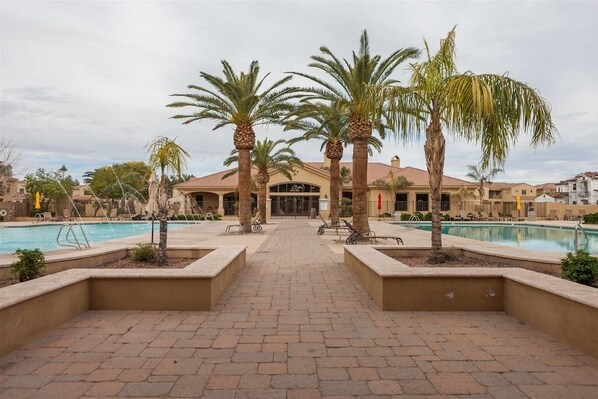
70 234
413 219
577 228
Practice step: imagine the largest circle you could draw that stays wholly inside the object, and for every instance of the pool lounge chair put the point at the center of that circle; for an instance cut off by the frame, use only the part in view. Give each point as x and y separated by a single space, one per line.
329 226
516 217
48 217
370 235
462 216
553 215
256 225
569 215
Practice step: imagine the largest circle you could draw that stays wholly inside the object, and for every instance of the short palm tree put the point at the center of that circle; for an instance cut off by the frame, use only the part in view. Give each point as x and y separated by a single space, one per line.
265 157
462 195
165 154
241 101
482 176
327 123
393 183
492 110
347 87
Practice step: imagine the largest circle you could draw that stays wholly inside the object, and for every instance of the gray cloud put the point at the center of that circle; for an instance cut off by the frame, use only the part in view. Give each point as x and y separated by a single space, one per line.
86 83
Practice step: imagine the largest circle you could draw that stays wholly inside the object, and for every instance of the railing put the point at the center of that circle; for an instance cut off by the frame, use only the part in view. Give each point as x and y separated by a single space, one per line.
209 216
413 219
577 229
39 217
70 238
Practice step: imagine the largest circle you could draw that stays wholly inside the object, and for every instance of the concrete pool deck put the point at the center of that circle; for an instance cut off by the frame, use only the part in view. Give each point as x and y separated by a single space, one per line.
296 323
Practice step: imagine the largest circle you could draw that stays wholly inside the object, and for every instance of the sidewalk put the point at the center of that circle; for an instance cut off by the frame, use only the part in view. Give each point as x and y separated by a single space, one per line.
296 324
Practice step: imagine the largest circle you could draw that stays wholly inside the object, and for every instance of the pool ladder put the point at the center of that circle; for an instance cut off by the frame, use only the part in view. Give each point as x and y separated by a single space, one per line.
413 219
577 229
70 237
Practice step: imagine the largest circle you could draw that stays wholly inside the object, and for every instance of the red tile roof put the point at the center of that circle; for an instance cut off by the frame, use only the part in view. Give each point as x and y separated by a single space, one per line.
376 171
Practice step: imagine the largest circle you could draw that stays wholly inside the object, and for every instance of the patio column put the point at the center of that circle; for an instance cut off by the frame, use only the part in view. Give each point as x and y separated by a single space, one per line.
221 204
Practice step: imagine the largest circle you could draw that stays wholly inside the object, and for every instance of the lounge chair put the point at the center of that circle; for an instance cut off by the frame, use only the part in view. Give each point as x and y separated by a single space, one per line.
67 214
568 214
329 226
256 225
48 217
515 216
553 215
463 216
370 235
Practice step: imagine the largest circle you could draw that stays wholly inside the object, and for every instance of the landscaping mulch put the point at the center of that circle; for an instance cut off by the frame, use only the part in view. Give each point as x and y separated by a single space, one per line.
422 261
6 283
130 263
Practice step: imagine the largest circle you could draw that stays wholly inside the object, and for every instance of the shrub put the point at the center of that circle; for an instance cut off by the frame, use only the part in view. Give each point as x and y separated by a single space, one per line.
427 216
31 264
144 253
581 268
386 215
591 218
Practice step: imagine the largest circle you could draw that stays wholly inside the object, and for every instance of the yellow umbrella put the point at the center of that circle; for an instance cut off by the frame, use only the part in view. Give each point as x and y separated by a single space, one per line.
518 203
37 200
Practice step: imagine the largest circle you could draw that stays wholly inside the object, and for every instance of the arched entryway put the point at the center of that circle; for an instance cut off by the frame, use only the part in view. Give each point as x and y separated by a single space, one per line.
294 199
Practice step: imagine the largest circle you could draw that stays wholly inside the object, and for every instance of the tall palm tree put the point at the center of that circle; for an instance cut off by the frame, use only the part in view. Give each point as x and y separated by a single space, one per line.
482 175
327 123
491 110
241 101
265 157
165 154
348 88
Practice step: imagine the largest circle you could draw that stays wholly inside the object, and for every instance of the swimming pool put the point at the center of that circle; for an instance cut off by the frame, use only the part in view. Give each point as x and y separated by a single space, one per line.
533 238
44 236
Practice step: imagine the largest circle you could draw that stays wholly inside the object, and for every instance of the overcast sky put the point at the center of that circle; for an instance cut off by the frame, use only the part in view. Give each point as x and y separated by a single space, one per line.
85 83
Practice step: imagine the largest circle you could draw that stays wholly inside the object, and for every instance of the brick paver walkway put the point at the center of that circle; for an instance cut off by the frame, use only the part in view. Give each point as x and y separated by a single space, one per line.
296 324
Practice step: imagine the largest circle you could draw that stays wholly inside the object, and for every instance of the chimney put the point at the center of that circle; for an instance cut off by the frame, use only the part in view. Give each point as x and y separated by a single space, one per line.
395 162
326 161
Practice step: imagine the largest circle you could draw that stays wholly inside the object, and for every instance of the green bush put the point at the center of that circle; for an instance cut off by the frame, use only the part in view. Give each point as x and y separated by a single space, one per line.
405 216
428 216
31 264
581 268
197 217
386 215
591 218
144 253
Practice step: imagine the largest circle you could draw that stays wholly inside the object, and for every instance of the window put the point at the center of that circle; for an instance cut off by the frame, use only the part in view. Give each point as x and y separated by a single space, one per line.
22 190
574 187
199 200
523 192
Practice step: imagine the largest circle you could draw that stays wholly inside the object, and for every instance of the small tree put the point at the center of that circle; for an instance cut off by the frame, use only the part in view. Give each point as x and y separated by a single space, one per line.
31 264
581 268
482 175
54 185
392 183
165 154
462 195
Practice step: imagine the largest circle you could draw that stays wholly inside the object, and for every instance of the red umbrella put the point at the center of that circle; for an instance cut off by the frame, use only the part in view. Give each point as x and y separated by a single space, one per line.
379 201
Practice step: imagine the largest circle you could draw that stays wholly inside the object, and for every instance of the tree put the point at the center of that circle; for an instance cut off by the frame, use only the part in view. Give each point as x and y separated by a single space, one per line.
393 183
327 123
351 94
166 155
240 101
482 175
266 157
490 110
127 179
10 159
173 180
53 185
462 195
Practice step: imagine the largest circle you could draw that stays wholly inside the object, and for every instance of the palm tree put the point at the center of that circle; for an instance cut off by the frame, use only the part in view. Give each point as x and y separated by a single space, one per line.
393 183
351 94
482 176
491 110
462 195
239 100
327 123
266 157
165 154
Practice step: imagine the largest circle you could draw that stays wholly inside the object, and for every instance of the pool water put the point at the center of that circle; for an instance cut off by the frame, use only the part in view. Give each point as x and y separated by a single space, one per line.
44 236
534 238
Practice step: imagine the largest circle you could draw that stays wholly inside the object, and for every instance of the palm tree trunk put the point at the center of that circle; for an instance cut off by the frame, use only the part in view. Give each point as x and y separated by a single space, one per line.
163 208
360 171
245 189
335 191
434 151
262 202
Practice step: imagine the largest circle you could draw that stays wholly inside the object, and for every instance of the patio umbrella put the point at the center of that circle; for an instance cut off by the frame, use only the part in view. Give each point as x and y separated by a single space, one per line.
379 201
151 206
37 200
518 199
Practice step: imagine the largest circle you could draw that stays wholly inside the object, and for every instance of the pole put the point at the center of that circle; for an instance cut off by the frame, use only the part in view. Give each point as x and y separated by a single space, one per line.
153 228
